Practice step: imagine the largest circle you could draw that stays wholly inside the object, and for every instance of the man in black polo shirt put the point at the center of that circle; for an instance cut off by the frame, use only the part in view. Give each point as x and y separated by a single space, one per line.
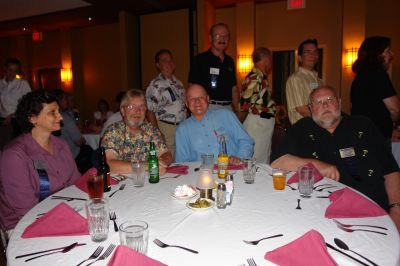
346 148
215 70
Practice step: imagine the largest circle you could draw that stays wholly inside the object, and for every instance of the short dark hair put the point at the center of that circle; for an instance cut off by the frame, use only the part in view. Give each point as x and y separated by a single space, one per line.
259 53
308 41
216 25
12 61
161 52
119 96
31 104
369 54
103 101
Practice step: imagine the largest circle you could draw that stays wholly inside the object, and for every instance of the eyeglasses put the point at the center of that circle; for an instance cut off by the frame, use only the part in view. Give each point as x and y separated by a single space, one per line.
200 99
135 107
221 37
320 102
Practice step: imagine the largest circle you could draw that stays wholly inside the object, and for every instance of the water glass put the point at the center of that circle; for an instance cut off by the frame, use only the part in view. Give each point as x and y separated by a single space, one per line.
97 217
306 181
139 173
207 161
279 179
135 235
249 170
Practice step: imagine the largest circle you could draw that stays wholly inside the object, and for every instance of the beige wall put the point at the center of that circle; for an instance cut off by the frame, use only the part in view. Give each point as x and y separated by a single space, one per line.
169 30
96 66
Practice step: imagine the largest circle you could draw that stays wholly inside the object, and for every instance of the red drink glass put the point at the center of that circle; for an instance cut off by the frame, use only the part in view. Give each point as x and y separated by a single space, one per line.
95 186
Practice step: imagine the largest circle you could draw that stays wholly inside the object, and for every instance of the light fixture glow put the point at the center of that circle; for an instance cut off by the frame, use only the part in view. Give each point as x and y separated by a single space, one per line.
244 63
350 56
66 74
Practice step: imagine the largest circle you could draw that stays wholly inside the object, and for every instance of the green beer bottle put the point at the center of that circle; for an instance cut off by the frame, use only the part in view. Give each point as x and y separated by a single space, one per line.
154 176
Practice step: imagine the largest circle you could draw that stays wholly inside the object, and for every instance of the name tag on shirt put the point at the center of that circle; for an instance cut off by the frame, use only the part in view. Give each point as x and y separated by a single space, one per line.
214 71
347 152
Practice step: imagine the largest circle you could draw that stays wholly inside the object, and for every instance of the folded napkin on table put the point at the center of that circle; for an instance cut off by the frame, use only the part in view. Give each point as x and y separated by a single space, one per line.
124 256
82 184
307 250
317 175
345 203
231 166
178 169
62 220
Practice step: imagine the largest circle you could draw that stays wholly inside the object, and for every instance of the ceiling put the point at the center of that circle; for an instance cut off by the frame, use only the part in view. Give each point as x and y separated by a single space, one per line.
27 16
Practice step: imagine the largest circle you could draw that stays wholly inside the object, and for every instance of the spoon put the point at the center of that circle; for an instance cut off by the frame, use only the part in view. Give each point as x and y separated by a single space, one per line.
65 250
343 245
298 205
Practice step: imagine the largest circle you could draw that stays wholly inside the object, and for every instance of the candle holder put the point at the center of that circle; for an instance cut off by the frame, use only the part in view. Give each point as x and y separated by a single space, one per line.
205 184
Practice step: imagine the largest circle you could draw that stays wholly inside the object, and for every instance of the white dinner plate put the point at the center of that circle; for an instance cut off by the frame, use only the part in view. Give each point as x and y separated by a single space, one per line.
200 209
184 197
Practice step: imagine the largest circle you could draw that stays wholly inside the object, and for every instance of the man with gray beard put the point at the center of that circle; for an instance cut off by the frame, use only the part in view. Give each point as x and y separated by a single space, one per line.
349 149
129 140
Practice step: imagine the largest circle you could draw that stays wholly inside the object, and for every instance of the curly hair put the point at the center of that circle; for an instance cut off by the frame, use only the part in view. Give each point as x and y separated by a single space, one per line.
370 54
31 104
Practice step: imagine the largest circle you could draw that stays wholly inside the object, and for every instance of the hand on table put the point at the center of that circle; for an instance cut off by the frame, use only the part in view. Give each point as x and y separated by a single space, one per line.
234 160
327 170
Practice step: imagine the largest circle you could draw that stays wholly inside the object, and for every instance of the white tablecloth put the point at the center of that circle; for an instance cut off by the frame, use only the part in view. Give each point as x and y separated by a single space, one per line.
257 211
396 151
92 140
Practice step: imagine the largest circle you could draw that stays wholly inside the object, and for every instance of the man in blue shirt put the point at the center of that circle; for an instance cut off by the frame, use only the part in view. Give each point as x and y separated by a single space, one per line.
199 133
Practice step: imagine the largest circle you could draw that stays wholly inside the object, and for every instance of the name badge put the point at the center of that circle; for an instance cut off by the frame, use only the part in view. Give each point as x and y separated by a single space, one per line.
214 71
346 153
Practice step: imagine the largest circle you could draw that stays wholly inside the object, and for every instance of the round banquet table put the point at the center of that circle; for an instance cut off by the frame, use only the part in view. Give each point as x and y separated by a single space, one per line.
256 211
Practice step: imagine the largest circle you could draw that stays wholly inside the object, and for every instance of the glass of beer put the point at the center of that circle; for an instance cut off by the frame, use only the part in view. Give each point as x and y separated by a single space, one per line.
279 179
95 186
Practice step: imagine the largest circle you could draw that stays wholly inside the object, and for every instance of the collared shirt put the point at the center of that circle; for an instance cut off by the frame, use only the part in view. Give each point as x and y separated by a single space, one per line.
298 88
255 95
19 180
194 137
166 98
10 93
128 147
356 148
216 76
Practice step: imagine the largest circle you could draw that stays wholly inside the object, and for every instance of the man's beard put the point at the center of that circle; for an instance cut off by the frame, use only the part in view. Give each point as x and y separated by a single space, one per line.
132 123
327 122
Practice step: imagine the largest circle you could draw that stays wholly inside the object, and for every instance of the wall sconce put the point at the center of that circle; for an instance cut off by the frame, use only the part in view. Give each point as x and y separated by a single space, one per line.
66 74
350 56
245 63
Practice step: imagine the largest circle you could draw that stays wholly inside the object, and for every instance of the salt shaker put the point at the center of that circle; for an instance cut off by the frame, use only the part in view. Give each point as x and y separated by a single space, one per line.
221 194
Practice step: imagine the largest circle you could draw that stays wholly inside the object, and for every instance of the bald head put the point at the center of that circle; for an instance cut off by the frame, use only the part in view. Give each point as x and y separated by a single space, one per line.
197 100
321 88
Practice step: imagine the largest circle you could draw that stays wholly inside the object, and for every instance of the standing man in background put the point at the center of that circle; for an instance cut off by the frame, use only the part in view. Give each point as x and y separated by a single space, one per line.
165 98
11 90
216 72
303 81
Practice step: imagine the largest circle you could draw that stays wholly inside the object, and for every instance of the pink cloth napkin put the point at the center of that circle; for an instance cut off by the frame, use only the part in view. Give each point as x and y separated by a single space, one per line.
308 250
62 220
81 182
345 203
231 166
178 169
124 256
317 175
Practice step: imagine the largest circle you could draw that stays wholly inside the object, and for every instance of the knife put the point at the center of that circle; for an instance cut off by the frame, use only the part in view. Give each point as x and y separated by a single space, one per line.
48 250
351 257
67 198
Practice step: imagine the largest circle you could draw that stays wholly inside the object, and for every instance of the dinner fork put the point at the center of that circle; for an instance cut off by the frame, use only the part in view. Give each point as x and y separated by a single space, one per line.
120 188
251 262
255 242
95 254
352 230
350 225
113 217
105 255
321 189
163 245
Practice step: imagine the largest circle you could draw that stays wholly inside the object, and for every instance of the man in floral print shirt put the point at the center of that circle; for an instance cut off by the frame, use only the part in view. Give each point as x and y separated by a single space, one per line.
256 106
128 140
